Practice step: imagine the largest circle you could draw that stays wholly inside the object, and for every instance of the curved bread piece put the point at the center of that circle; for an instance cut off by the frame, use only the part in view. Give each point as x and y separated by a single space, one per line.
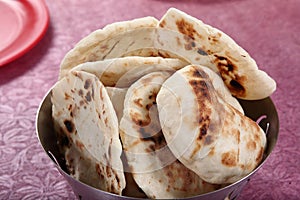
98 44
83 112
117 96
221 88
122 72
181 36
154 168
207 135
221 53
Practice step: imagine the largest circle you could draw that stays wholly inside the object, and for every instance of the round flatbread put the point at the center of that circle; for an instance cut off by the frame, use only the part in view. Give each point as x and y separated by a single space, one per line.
117 96
98 44
83 112
222 54
154 168
221 88
181 36
207 135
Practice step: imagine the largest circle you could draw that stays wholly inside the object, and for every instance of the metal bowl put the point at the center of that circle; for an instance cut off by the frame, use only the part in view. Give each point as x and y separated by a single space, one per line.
253 109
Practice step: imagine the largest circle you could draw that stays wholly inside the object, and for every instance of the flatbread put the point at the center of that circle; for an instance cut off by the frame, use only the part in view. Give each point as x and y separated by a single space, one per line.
221 88
181 36
172 44
208 139
154 168
96 45
83 112
83 167
221 53
122 72
207 135
117 96
138 118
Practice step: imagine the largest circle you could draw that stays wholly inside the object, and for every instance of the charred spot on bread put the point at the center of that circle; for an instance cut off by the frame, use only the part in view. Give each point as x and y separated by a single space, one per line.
228 72
88 96
87 83
237 86
80 92
202 52
69 126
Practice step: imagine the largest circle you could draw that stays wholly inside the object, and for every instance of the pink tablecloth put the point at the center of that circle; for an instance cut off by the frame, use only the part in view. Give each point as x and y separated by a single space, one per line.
268 29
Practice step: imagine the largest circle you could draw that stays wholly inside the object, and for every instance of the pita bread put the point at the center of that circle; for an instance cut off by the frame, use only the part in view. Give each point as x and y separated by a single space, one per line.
122 72
117 96
95 46
209 139
84 113
169 43
221 53
154 168
131 189
221 88
177 35
83 167
156 41
207 135
154 52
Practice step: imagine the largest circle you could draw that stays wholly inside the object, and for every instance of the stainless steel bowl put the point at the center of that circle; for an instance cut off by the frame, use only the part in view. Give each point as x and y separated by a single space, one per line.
253 109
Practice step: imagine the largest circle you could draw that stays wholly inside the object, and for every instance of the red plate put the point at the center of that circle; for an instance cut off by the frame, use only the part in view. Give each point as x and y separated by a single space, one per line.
22 24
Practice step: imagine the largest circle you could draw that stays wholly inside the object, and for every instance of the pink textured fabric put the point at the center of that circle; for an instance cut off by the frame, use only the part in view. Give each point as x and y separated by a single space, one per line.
268 30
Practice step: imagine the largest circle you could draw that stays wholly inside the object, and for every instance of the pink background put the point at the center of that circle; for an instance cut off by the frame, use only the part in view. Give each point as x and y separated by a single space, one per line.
268 29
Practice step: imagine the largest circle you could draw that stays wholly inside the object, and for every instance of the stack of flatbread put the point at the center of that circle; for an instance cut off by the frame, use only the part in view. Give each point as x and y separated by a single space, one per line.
149 108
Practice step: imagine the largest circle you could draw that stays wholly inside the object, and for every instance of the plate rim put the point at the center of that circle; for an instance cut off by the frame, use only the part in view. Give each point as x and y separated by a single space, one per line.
40 12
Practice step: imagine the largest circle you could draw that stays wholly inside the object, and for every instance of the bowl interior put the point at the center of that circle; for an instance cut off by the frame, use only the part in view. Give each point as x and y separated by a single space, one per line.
253 109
